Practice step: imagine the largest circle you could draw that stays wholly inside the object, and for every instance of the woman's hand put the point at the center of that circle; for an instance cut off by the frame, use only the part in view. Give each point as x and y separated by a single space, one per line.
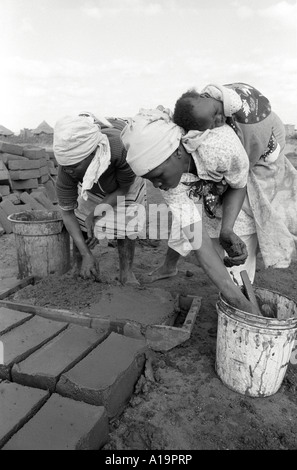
235 248
91 241
90 268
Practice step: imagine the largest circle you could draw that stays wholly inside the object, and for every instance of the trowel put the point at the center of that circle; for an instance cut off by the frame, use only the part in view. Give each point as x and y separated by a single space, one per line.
248 290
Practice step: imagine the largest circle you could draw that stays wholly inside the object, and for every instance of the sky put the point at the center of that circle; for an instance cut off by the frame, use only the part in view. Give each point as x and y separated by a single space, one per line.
113 57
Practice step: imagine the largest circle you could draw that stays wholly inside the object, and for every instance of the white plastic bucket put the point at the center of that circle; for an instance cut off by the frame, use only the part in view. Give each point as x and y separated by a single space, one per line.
253 352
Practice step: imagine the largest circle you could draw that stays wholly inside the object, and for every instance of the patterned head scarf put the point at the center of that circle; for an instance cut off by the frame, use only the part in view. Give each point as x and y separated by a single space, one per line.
231 100
150 138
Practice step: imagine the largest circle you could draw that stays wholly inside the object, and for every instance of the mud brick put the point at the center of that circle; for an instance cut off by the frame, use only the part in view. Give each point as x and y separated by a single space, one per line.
35 153
23 340
50 164
15 149
44 170
12 197
54 171
43 162
9 157
62 424
17 405
26 164
8 207
24 174
43 368
24 208
107 375
43 179
25 184
51 154
43 200
9 319
6 224
41 188
55 162
21 208
28 199
17 193
4 174
4 190
51 191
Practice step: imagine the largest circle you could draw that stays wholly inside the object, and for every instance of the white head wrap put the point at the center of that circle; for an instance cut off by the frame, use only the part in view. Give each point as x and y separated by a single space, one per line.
75 138
150 138
231 100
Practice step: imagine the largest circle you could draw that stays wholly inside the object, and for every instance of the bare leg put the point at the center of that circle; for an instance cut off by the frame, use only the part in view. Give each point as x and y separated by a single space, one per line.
168 268
126 249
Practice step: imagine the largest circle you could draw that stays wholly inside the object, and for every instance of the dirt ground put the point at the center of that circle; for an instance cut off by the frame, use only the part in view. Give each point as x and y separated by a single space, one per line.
183 405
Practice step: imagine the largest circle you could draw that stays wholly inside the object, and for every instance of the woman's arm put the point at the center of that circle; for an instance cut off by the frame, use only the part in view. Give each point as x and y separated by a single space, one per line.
90 267
212 264
223 154
232 202
67 193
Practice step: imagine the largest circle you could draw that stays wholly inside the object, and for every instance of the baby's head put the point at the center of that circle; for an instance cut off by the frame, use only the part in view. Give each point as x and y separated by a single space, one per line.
194 111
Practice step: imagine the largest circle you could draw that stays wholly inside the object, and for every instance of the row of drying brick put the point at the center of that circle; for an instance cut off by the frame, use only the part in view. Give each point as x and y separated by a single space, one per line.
26 180
79 369
32 419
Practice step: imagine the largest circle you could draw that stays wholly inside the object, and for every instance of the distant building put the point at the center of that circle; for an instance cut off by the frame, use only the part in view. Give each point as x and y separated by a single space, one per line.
43 128
43 134
26 133
4 132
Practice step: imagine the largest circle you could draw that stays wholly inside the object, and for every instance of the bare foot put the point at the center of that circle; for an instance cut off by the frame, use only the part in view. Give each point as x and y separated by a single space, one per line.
162 273
129 279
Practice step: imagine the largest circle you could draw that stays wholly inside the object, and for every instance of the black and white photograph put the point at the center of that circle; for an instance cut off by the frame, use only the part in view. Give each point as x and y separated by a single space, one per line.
148 227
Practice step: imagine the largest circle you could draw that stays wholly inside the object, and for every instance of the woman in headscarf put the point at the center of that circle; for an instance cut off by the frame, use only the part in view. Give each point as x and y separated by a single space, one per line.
156 151
98 193
266 214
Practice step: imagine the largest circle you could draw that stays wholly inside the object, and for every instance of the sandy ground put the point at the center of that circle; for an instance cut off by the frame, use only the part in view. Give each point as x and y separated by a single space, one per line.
180 404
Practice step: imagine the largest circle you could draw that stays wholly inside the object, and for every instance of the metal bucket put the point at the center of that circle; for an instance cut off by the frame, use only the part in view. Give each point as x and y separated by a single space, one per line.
42 243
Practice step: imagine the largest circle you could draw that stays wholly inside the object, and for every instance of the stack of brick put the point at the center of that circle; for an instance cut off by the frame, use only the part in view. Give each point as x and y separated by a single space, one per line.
27 180
52 162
